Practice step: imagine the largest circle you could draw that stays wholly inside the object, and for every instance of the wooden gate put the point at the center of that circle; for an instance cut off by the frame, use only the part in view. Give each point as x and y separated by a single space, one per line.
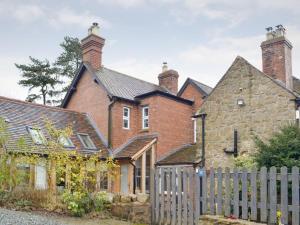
176 191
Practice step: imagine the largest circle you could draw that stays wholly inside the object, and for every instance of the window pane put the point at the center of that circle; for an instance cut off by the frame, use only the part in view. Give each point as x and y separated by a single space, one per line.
86 141
125 112
66 142
125 123
37 136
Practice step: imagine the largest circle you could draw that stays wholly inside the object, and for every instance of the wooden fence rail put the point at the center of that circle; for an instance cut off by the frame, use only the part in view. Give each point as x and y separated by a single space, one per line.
182 195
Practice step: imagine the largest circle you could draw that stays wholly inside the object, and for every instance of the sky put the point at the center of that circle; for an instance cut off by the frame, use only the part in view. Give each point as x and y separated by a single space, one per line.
198 38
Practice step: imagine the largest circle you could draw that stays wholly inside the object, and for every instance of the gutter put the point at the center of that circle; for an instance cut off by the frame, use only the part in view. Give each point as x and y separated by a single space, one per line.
109 132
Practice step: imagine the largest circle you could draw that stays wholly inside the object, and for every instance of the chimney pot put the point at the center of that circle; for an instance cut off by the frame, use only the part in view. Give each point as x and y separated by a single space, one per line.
94 29
165 67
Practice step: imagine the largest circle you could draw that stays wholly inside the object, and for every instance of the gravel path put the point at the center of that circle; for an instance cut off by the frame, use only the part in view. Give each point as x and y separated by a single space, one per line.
10 217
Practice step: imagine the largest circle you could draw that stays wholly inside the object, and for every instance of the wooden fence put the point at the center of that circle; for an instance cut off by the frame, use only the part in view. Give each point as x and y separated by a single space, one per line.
182 195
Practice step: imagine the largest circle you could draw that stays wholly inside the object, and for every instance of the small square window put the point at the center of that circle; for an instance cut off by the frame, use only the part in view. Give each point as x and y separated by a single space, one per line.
126 118
66 142
37 135
86 141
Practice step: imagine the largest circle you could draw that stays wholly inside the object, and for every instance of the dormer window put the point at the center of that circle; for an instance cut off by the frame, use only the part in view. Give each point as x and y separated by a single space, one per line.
86 141
126 118
66 142
145 119
37 135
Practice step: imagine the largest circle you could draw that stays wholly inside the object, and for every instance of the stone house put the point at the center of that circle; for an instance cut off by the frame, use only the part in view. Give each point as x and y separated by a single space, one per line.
141 121
248 102
27 121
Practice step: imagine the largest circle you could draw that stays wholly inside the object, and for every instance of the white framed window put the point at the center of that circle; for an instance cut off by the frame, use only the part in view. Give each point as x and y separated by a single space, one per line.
66 142
126 118
145 117
195 129
37 135
86 141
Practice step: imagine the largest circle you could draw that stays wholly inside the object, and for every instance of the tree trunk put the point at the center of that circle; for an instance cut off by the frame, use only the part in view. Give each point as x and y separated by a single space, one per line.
52 183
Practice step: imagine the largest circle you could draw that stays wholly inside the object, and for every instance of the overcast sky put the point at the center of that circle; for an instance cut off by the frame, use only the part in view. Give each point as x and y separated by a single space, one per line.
198 38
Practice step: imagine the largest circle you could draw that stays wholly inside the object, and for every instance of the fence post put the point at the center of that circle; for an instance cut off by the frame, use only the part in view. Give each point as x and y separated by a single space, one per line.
197 198
191 195
185 206
168 196
158 192
179 172
204 191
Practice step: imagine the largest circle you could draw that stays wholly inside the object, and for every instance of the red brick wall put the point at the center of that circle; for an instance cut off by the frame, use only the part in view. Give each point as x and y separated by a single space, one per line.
171 120
119 134
89 97
191 93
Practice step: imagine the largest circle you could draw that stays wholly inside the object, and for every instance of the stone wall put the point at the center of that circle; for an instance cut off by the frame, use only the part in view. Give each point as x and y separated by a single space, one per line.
267 106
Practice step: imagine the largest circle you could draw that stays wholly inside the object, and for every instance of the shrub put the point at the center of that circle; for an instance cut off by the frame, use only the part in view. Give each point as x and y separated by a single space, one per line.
283 149
78 203
101 201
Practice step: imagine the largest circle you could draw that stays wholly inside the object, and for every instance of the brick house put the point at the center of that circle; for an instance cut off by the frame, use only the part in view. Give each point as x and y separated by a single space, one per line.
248 102
141 121
27 121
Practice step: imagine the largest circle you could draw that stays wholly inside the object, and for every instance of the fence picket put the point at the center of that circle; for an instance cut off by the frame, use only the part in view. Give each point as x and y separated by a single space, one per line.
168 174
227 204
173 205
204 192
263 194
220 187
157 193
295 196
190 196
184 216
197 198
253 194
212 191
273 195
236 199
179 213
162 212
284 195
245 194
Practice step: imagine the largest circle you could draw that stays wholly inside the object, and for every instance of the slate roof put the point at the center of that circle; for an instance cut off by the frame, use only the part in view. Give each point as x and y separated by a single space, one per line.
296 85
133 146
186 154
20 115
124 86
204 89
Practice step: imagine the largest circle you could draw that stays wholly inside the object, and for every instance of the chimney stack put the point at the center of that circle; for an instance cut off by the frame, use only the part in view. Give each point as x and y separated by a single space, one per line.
168 79
92 47
277 56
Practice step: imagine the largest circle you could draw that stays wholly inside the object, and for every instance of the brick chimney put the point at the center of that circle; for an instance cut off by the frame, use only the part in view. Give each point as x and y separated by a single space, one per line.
168 79
92 47
277 56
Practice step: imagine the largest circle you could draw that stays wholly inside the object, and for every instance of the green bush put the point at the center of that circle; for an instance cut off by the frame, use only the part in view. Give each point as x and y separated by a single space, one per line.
283 149
101 201
78 203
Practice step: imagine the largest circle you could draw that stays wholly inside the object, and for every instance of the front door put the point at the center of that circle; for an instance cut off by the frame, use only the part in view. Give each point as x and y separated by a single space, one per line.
40 177
124 179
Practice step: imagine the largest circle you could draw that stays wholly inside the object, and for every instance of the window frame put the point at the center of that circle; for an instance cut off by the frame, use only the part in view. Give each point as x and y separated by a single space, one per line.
89 139
68 140
126 118
145 117
40 134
